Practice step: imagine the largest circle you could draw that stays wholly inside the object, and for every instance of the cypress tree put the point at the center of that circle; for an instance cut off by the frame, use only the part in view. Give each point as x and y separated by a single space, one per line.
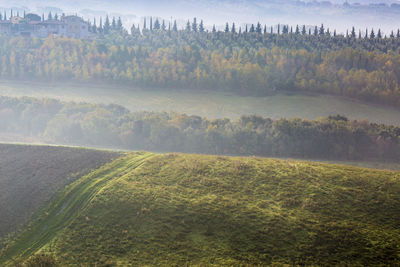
272 30
258 28
334 33
398 33
214 30
227 28
163 26
372 35
107 25
366 34
252 29
50 17
101 25
392 35
194 25
188 26
233 28
114 24
94 27
322 30
157 25
265 29
297 30
144 23
119 24
303 31
151 23
316 31
279 29
201 26
379 35
353 32
175 27
246 30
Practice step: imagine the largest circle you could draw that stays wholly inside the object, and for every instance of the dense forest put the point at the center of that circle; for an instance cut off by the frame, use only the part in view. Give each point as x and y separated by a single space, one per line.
256 60
114 126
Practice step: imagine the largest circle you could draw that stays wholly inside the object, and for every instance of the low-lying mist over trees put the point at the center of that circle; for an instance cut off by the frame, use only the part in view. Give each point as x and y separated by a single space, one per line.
114 126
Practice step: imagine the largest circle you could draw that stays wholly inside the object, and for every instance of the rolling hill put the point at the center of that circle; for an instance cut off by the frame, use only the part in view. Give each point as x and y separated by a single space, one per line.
30 176
175 210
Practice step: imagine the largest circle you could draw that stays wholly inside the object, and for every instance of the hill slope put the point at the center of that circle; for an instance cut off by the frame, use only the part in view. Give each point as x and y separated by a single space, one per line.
31 175
148 209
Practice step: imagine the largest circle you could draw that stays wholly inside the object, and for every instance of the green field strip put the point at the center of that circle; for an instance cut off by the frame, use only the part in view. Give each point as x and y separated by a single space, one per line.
66 207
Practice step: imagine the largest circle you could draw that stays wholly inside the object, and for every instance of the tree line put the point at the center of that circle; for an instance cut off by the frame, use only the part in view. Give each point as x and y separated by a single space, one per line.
334 137
251 64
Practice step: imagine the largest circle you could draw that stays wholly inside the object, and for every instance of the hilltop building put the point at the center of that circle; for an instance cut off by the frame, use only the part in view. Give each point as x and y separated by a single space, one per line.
33 25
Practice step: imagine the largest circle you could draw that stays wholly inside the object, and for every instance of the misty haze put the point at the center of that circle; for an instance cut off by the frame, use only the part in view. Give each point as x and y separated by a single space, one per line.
199 133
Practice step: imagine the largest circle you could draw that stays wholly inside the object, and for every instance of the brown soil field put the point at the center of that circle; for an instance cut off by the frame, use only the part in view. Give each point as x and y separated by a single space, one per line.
30 176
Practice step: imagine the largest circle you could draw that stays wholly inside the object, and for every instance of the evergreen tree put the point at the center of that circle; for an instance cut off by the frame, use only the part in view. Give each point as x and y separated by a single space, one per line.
214 30
309 31
392 34
163 26
50 17
398 33
55 16
246 30
316 31
227 27
379 35
258 28
201 26
107 26
303 30
119 24
252 29
297 30
188 26
114 24
151 23
101 25
353 32
144 24
94 27
279 29
322 30
272 30
194 25
233 28
334 33
175 27
372 35
157 25
366 34
328 32
265 29
359 34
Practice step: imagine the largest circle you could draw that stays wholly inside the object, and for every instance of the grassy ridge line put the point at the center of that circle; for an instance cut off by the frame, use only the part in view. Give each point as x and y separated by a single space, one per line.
63 210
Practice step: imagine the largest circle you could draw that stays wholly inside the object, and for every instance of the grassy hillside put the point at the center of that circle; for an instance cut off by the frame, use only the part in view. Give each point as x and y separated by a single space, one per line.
30 176
150 209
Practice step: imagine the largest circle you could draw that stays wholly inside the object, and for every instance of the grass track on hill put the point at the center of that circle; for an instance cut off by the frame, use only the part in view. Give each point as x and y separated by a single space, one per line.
176 210
69 204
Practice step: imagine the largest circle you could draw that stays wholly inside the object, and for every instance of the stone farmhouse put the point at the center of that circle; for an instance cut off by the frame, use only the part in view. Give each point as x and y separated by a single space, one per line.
32 25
